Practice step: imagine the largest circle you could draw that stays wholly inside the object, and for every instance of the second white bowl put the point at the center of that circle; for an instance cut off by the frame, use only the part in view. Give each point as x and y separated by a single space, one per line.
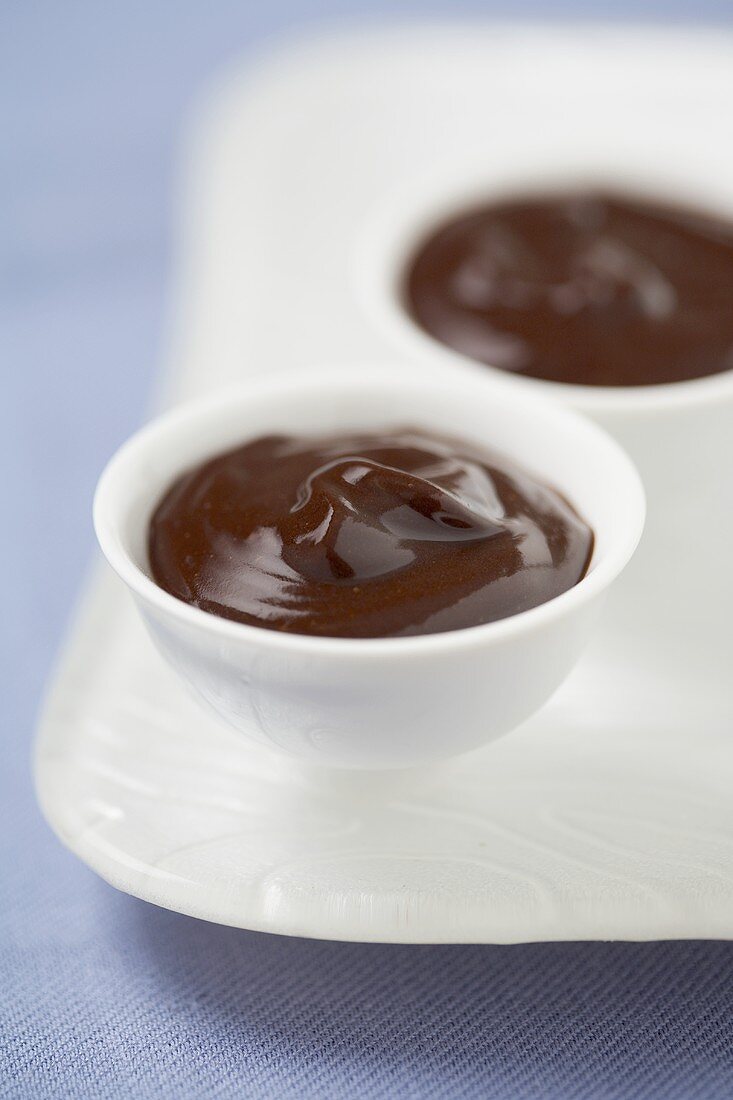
374 703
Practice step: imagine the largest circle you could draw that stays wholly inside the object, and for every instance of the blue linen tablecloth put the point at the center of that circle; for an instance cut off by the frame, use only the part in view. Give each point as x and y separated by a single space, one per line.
102 995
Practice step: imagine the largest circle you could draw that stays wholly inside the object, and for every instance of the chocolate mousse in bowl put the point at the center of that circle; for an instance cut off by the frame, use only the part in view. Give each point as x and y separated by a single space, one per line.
613 296
587 287
365 570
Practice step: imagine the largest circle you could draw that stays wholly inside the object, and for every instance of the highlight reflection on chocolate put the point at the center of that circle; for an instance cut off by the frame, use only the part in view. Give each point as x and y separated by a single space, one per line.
370 535
582 287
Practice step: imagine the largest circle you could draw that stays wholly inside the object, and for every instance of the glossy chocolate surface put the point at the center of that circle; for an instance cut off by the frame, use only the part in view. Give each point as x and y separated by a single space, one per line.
582 287
372 535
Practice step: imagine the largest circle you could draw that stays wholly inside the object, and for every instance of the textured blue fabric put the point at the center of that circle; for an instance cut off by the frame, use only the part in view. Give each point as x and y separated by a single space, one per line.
102 995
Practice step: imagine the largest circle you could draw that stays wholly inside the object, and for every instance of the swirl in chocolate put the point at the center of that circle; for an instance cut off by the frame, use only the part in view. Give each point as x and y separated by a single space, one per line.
369 535
584 287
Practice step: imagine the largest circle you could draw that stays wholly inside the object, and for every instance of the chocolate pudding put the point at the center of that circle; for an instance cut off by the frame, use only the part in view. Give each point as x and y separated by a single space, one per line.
369 535
584 287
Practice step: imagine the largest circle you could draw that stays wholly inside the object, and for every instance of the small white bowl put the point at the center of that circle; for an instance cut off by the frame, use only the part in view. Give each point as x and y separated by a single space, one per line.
405 218
677 434
374 703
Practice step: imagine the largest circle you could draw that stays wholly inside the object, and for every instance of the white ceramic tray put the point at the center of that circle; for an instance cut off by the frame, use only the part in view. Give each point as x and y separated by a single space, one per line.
610 814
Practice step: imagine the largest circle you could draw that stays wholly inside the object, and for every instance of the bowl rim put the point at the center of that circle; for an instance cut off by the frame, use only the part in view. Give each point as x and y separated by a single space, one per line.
108 520
393 227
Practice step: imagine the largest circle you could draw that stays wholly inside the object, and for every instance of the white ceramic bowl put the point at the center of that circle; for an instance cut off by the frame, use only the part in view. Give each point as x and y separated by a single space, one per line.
374 703
395 228
679 435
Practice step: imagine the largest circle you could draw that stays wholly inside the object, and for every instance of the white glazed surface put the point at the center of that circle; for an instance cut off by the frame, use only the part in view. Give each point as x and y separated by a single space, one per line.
606 816
375 703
